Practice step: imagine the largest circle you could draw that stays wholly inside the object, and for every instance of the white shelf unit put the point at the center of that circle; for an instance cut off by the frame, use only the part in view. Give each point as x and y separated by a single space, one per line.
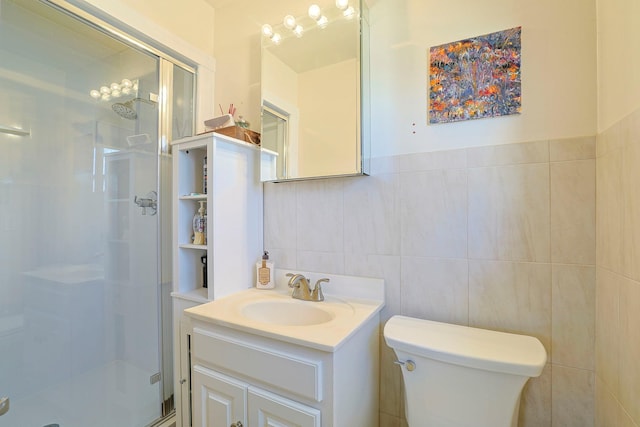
234 215
234 235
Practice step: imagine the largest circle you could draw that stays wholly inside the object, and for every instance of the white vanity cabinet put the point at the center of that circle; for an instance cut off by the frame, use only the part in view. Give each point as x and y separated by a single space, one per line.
239 376
233 202
219 400
223 401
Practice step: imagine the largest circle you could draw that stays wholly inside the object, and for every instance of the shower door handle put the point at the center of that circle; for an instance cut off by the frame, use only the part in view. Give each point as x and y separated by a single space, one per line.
4 405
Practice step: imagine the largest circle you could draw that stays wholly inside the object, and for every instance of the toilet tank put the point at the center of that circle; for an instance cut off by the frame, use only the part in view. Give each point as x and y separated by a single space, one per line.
466 346
462 376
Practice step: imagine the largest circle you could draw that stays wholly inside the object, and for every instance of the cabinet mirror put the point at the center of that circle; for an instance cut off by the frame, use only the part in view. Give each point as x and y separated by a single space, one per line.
315 92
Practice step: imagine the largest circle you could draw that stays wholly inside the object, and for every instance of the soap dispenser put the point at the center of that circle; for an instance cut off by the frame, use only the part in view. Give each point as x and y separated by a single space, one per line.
265 273
200 226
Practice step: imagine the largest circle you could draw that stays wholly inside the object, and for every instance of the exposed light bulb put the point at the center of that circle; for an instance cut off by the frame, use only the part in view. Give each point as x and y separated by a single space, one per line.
126 83
322 21
95 94
126 90
342 4
135 87
115 86
349 12
105 90
289 22
314 12
298 30
115 93
105 97
267 31
276 38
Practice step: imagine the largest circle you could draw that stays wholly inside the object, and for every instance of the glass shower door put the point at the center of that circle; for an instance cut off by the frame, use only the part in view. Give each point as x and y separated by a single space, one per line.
79 233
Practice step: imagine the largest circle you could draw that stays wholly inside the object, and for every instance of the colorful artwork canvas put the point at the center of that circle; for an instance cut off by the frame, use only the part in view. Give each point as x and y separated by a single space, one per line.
475 78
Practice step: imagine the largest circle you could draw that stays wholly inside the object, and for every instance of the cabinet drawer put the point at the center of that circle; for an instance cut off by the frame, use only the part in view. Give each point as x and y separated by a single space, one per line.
288 372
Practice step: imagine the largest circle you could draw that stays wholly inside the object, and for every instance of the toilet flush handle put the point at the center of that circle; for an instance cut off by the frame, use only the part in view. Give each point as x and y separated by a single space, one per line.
409 364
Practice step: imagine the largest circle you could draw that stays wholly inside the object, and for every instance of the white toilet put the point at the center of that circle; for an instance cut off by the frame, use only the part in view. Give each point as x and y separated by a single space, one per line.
457 376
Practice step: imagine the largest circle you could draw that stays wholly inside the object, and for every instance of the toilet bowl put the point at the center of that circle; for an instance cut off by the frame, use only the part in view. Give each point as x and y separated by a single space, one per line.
457 376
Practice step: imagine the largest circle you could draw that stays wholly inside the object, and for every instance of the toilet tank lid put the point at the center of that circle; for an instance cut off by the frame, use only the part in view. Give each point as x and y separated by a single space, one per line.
467 346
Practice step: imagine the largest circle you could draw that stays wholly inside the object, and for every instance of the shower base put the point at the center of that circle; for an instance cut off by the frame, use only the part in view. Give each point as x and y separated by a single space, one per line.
117 394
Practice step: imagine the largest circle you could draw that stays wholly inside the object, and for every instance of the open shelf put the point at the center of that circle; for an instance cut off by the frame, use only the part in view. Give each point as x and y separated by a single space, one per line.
233 202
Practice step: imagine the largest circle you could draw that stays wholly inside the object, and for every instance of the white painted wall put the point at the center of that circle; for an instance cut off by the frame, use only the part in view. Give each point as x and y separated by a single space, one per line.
301 92
237 41
281 80
558 69
191 21
327 130
558 64
618 61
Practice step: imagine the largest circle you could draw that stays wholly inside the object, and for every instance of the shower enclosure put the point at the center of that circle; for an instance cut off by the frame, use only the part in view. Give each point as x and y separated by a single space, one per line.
85 316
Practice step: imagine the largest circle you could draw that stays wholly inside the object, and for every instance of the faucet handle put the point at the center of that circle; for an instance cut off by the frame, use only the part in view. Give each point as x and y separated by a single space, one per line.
317 294
291 279
322 280
294 281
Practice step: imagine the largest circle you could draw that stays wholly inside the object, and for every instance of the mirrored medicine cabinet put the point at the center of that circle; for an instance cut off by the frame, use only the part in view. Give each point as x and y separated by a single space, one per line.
315 92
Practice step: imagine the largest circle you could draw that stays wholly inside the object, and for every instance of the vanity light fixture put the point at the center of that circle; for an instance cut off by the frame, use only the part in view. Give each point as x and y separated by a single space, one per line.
289 22
342 4
314 12
349 12
323 21
114 90
267 31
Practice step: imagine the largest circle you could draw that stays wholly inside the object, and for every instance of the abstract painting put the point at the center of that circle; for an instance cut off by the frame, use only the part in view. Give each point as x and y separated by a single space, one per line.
475 78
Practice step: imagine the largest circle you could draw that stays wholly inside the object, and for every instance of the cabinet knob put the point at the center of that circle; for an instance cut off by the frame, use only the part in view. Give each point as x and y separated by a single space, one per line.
236 424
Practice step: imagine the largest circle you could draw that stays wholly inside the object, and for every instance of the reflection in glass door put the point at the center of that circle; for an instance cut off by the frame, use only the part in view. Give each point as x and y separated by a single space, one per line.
80 281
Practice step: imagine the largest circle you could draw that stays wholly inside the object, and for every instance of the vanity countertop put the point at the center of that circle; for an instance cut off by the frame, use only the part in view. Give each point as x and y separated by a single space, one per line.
349 303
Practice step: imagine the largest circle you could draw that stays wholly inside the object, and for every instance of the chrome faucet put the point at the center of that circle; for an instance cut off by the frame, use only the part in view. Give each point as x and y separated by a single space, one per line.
302 290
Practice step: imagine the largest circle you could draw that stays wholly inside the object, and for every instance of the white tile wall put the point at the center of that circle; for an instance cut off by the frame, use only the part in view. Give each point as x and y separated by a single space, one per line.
617 335
500 237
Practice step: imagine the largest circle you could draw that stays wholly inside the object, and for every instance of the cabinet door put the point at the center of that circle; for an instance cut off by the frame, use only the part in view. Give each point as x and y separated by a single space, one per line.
270 410
218 400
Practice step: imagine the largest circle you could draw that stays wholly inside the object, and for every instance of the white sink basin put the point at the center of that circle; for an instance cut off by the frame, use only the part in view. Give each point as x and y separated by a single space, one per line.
350 302
290 313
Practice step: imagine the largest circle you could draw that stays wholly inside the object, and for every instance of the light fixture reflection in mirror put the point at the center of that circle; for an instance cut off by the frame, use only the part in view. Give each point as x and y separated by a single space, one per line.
314 12
314 88
289 22
292 23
